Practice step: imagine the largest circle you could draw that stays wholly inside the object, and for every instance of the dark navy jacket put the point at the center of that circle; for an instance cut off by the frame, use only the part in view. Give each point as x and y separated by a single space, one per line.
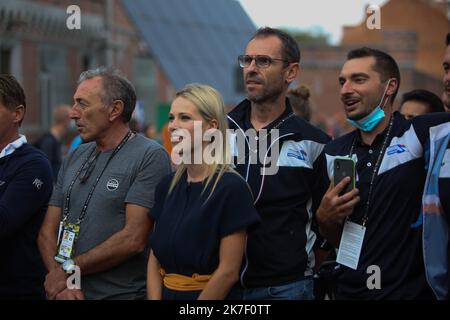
279 250
25 189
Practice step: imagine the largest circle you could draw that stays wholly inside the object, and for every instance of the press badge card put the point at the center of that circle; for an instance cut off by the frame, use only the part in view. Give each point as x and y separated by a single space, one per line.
351 244
67 242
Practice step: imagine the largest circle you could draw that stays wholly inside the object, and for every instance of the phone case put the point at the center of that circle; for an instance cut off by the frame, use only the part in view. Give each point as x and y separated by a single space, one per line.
344 167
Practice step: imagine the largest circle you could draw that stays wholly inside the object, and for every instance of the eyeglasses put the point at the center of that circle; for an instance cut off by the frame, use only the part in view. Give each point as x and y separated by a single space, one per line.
261 61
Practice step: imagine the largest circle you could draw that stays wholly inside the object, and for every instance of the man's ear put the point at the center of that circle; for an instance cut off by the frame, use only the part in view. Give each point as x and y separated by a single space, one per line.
117 108
292 72
393 85
19 114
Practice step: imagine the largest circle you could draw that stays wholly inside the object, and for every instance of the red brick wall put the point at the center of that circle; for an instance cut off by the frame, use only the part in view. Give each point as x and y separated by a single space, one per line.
30 82
428 21
124 38
74 61
91 6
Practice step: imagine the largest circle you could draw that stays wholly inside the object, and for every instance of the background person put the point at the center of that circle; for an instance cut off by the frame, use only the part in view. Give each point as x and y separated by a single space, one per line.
50 143
419 102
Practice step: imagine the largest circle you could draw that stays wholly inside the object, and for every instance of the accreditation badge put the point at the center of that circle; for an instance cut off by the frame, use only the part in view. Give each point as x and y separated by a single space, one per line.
67 241
351 244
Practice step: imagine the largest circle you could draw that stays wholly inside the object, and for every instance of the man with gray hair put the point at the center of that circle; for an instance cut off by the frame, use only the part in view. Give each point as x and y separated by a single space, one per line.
97 223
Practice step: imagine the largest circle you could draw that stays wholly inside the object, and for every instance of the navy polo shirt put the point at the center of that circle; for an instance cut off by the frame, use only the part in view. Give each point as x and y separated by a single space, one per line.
189 226
393 238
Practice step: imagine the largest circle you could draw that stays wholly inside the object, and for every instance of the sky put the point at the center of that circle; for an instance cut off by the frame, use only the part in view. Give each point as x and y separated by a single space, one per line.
326 15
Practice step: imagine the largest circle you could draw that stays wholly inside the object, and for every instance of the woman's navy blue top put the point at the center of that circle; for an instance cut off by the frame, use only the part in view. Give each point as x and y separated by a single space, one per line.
189 226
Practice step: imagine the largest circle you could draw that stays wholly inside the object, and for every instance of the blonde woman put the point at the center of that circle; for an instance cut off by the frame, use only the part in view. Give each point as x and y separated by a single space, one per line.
203 210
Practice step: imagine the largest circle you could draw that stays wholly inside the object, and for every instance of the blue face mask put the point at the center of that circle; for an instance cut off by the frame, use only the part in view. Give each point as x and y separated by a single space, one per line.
369 122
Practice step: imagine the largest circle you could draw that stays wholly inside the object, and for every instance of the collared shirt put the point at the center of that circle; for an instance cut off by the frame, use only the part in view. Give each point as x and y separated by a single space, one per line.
13 146
393 238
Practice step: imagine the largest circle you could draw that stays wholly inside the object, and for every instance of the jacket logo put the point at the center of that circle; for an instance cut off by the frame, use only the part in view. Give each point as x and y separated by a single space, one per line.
37 183
396 149
297 154
2 183
112 184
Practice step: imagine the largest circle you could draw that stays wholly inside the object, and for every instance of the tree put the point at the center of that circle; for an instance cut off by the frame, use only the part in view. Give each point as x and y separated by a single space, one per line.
313 36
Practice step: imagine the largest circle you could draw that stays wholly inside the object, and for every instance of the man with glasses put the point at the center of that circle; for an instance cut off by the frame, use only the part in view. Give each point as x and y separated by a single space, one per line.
97 222
279 254
25 187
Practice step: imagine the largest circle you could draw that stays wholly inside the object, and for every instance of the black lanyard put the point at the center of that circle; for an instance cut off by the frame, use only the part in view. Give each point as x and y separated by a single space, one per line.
88 199
375 170
279 123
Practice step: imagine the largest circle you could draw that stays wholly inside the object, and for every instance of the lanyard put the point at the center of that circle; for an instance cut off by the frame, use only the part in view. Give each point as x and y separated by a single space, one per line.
375 170
290 115
88 199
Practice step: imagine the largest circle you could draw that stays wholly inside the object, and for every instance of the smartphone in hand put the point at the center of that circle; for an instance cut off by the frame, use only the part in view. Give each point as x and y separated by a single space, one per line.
344 167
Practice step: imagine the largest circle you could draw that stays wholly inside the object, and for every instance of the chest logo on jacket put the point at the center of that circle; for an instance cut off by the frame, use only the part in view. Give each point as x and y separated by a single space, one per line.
396 149
297 154
37 183
112 184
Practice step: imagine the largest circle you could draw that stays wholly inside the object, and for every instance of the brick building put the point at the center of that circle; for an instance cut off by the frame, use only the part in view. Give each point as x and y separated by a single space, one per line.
47 57
412 31
163 44
151 41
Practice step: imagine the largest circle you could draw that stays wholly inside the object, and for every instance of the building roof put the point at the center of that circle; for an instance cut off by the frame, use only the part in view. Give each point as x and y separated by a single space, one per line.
195 40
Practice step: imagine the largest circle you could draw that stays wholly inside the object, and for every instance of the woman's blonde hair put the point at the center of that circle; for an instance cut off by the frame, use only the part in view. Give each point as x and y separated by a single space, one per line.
211 107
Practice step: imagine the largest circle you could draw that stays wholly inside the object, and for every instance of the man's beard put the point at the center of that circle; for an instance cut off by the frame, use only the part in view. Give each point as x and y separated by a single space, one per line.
268 94
367 106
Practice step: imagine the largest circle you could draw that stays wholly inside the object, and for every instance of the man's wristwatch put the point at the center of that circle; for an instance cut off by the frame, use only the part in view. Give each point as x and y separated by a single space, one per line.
68 266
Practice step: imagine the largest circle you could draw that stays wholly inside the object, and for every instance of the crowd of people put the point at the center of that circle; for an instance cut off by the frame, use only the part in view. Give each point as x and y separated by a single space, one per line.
211 219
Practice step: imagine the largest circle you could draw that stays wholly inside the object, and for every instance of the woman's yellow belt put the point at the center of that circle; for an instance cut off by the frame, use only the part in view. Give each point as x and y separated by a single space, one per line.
179 282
